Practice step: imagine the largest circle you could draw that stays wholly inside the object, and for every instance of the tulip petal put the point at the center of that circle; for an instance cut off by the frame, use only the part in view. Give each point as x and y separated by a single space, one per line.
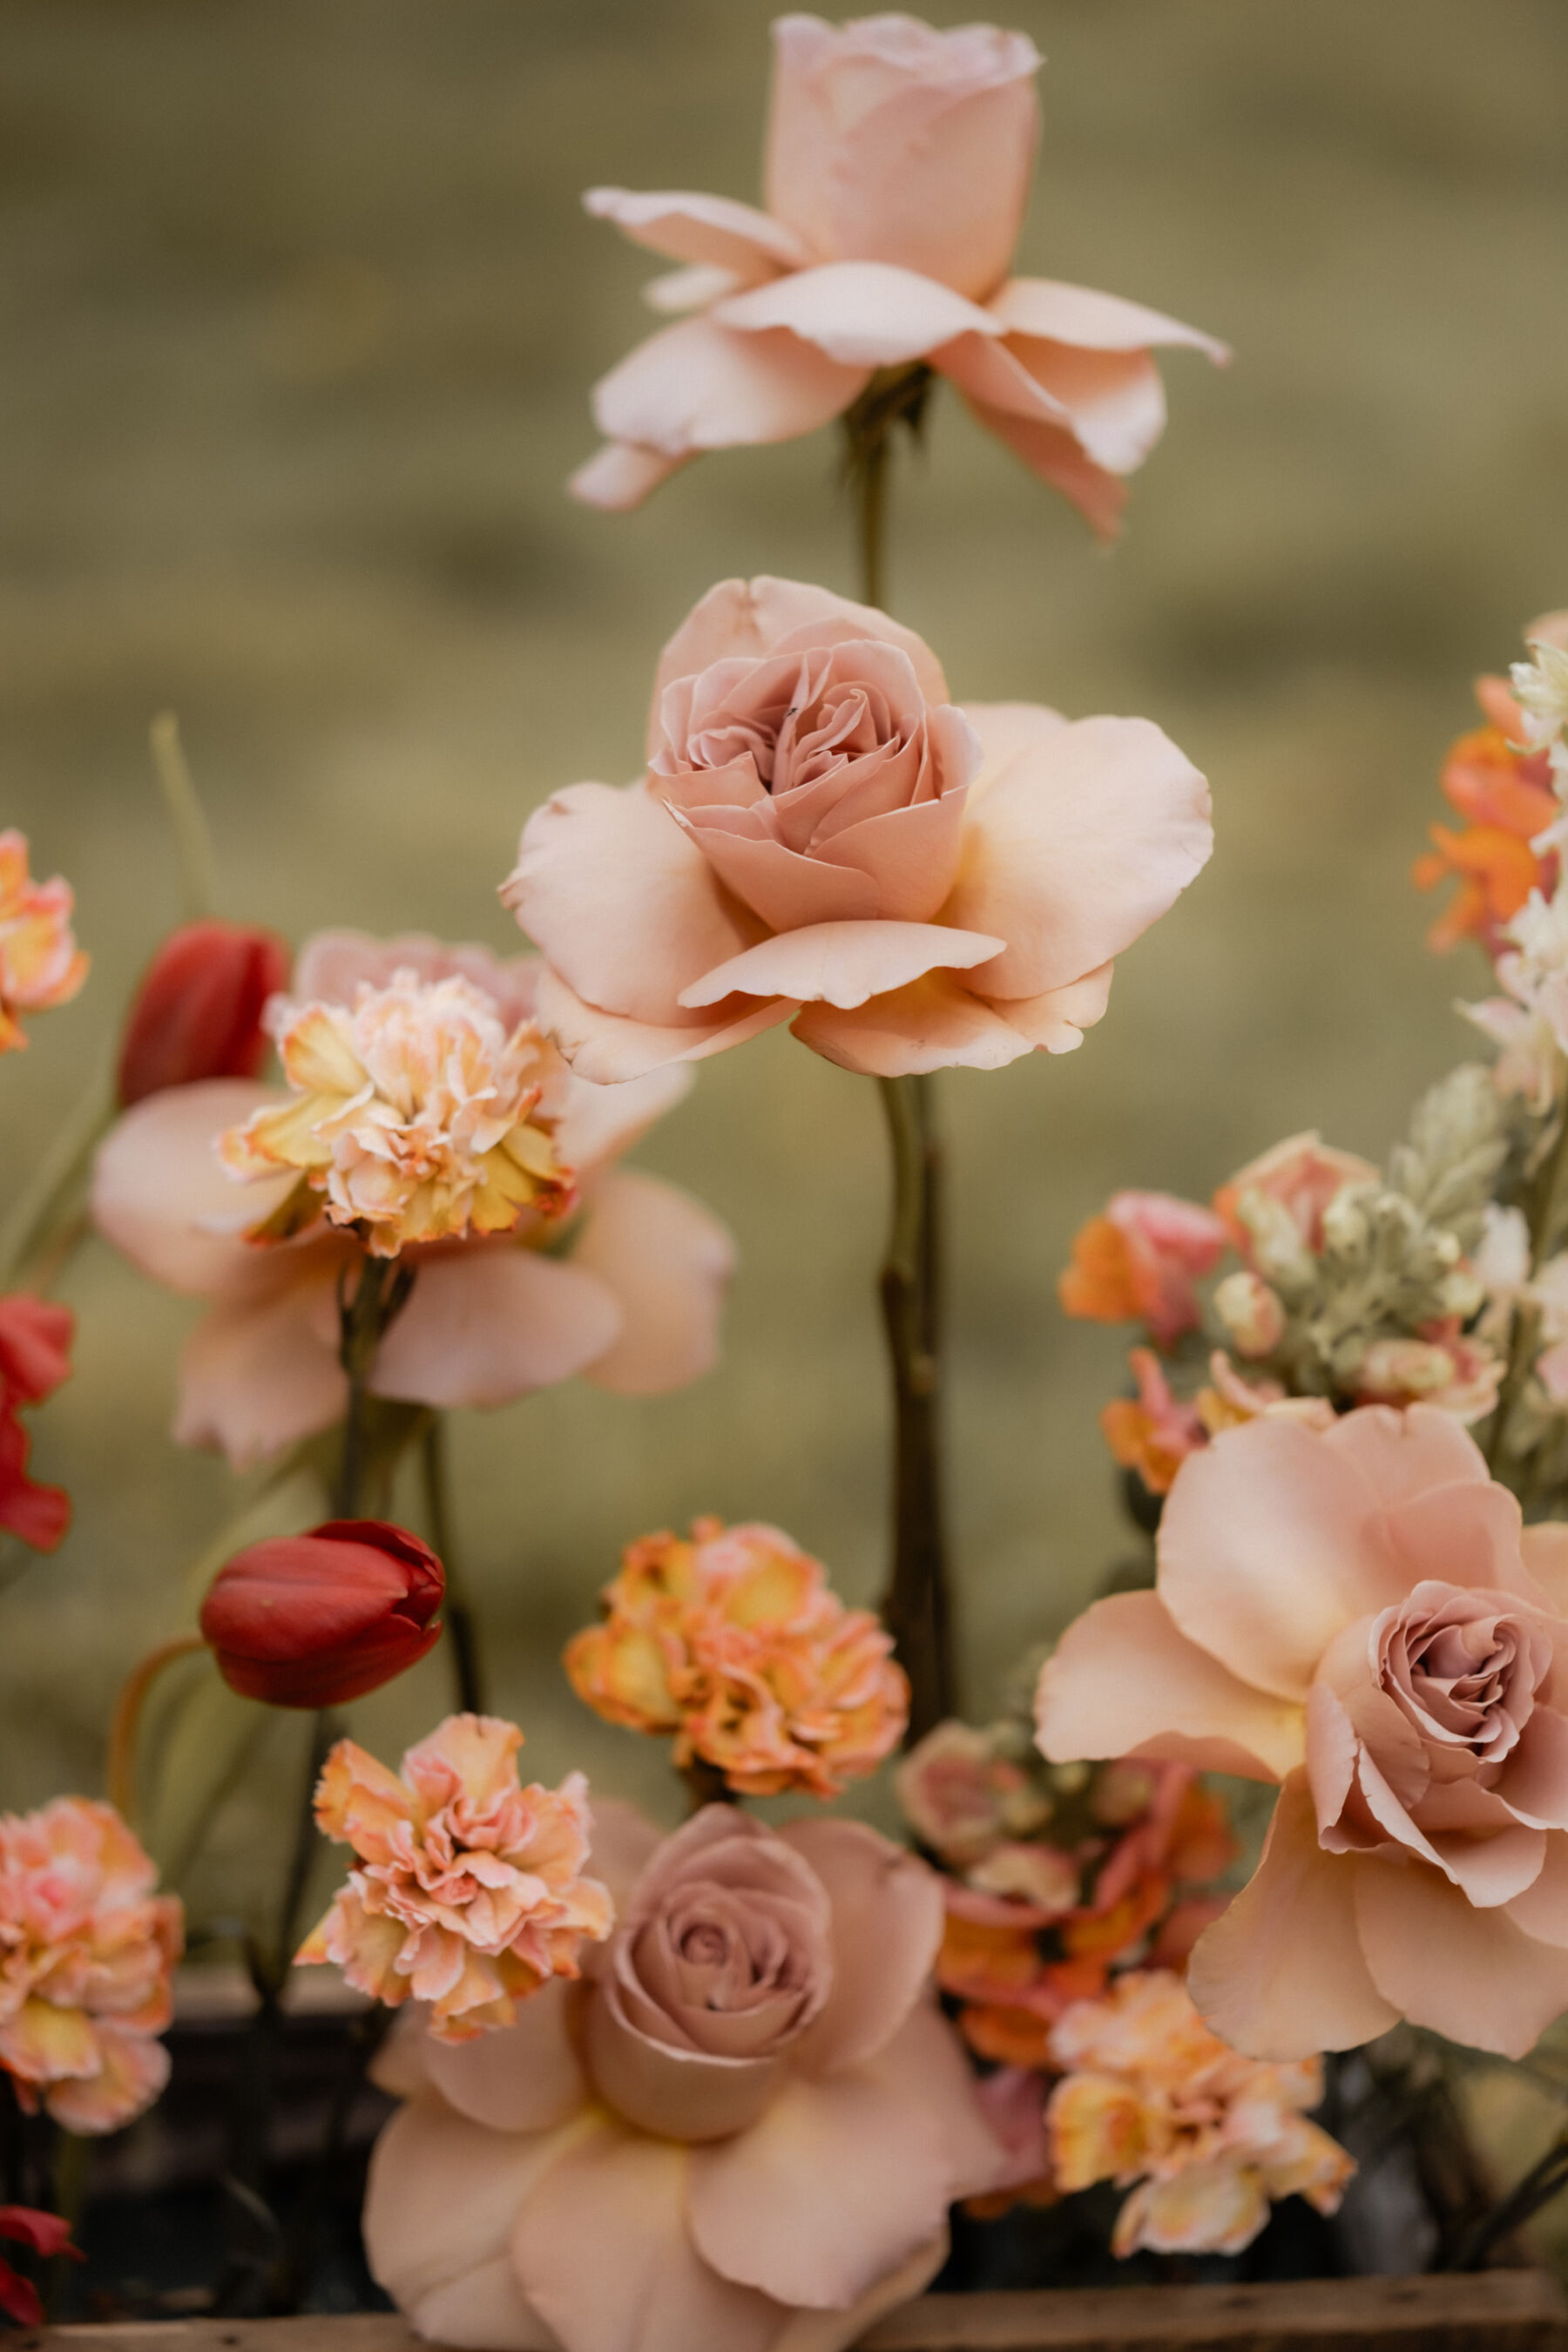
864 314
667 1262
691 227
1096 322
751 618
887 1914
608 1048
618 476
161 1195
700 385
485 1325
601 1122
623 905
259 1374
1055 454
602 2252
1270 1543
1281 1974
842 964
838 2184
523 2077
1078 838
1125 1681
1473 1976
934 1023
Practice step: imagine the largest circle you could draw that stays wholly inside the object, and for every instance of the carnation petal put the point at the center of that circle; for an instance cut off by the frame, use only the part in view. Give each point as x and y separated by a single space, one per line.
667 1261
842 964
485 1325
887 1925
700 385
864 314
1473 1976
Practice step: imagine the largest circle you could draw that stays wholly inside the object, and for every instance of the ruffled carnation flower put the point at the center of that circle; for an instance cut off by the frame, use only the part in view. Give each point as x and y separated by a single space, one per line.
630 1293
898 170
469 1892
35 1338
733 1643
1149 2097
40 964
1356 1613
742 2130
821 836
1140 1263
86 1954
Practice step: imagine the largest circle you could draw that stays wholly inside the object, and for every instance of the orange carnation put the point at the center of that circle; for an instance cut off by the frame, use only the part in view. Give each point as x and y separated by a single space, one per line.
40 964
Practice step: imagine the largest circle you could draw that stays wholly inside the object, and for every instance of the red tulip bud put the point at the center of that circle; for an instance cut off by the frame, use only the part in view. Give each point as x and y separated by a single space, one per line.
319 1619
197 1013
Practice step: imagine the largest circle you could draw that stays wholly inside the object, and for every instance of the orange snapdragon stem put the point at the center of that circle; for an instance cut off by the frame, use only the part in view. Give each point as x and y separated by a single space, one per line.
119 1772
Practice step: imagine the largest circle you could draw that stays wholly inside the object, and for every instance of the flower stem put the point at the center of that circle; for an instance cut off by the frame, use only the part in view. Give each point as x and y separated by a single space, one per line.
365 1314
1524 1330
706 1784
894 397
50 1191
462 1632
1543 2181
120 1770
191 839
916 1608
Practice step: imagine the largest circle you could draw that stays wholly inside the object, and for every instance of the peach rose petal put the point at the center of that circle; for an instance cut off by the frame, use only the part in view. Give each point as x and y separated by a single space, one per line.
748 618
1440 1961
1059 313
483 2311
888 1914
1055 455
621 475
843 964
782 887
1534 1780
829 2331
1125 1681
160 1195
838 2183
1056 1020
1544 1549
1282 1973
667 1261
993 376
1268 1545
484 1325
608 1048
1542 1909
1115 401
1078 838
934 1023
1404 1453
524 2077
696 2094
700 385
602 2252
862 314
1463 1534
259 1376
685 226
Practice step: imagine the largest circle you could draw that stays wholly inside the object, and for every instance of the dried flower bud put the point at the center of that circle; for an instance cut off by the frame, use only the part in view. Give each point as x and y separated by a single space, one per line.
319 1619
197 1013
1252 1314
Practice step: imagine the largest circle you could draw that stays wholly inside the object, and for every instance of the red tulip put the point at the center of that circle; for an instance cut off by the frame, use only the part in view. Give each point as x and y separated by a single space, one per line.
46 2234
34 1358
319 1619
197 1013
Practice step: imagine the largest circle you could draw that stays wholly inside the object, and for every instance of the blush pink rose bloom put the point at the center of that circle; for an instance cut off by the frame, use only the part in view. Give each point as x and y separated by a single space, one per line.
898 170
743 2129
634 1303
821 836
1356 1613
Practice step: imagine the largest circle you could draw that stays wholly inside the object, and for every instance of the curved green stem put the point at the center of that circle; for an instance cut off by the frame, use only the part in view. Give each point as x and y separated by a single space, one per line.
462 1631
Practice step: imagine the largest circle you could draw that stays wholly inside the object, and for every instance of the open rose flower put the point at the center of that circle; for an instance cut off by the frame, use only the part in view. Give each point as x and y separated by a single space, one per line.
470 1891
734 1644
1357 1614
86 1952
40 964
743 2129
1140 1262
897 172
821 836
631 1295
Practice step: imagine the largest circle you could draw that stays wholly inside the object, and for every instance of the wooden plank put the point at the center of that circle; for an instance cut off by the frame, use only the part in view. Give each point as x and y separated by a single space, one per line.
1492 2311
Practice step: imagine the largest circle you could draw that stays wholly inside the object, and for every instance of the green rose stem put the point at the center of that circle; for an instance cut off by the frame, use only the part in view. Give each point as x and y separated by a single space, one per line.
1524 1331
706 1784
462 1632
916 1608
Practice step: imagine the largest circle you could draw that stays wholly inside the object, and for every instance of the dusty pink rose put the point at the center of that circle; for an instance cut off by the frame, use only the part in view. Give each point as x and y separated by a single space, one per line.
1140 1262
744 2130
1357 1614
821 836
470 1890
633 1300
898 170
86 1951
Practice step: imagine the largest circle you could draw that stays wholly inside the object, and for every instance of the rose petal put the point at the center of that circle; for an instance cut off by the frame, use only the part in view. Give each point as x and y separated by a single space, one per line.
618 476
1115 401
1542 1909
1078 838
602 2253
700 385
1534 1780
667 1262
161 1195
518 2078
690 228
488 1324
842 964
1473 1976
1055 454
1056 1020
830 2331
482 2311
887 1927
606 1048
1124 1681
685 2094
751 618
1403 1454
1465 1534
1104 322
934 1023
780 886
1281 1974
864 314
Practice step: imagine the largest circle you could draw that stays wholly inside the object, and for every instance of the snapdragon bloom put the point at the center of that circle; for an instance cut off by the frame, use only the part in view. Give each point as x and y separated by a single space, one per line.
898 172
733 1643
86 1952
469 1892
40 964
1155 1431
1501 787
416 1117
1140 1261
1149 2097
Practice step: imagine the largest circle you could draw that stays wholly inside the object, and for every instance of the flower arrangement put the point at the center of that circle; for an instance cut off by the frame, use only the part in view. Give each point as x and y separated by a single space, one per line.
764 2057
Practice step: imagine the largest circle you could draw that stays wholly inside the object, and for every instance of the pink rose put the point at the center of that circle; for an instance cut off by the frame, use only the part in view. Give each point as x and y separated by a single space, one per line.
821 836
750 2113
1357 1614
898 170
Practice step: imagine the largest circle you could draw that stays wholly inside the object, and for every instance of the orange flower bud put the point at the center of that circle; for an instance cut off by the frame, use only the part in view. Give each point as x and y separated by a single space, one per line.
197 1013
319 1619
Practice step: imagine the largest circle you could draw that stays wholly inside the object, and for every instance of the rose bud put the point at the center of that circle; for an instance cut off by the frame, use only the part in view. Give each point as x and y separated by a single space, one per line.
318 1619
197 1013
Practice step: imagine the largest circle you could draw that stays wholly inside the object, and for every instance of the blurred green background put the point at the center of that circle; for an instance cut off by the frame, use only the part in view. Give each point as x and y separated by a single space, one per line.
299 312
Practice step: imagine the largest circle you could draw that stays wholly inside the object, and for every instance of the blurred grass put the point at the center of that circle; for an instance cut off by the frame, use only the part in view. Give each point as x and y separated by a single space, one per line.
300 313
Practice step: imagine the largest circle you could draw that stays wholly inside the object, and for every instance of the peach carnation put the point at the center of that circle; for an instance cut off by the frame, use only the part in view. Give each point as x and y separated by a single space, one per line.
1149 2095
469 1892
1356 1612
417 1116
733 1642
86 1951
40 964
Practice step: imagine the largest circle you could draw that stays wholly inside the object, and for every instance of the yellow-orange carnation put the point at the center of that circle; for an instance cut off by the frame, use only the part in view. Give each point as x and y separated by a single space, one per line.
40 964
